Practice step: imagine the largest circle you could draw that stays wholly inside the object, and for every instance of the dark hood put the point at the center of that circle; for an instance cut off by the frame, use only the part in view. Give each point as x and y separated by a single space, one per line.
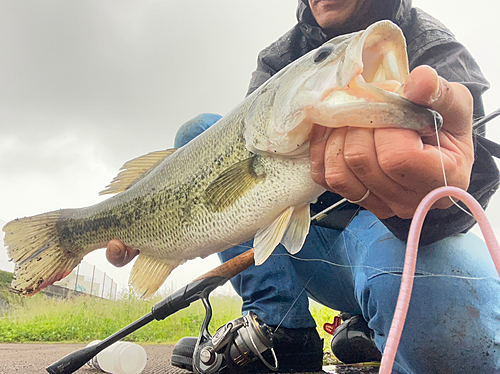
397 11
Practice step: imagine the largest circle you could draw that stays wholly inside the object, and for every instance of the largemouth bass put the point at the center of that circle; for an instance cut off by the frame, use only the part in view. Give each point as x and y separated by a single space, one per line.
247 176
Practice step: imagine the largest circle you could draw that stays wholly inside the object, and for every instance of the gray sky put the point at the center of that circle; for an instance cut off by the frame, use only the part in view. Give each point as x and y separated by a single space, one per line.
88 85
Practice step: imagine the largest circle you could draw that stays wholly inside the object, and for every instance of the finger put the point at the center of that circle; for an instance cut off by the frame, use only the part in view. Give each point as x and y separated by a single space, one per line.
317 141
422 86
387 197
118 254
404 158
452 100
424 160
416 166
342 180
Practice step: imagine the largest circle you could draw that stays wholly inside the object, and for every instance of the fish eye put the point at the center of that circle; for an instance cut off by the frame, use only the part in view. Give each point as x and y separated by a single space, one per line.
323 53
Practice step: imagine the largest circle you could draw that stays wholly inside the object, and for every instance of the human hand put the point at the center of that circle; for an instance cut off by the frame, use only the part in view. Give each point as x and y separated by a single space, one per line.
398 166
119 254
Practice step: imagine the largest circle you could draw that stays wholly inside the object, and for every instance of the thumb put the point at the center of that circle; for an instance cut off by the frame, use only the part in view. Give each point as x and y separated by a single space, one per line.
423 86
452 100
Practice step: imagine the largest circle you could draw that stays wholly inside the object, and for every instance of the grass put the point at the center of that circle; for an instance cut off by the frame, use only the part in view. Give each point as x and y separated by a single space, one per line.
5 278
83 319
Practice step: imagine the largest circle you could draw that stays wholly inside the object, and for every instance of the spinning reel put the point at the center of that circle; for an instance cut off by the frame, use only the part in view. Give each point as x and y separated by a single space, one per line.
233 346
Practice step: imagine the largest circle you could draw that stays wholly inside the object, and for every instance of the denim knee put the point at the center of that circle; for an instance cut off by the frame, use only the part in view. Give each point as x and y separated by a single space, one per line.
451 326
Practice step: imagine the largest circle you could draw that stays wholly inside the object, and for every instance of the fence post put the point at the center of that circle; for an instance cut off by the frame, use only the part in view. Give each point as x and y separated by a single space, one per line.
76 279
103 281
110 287
92 282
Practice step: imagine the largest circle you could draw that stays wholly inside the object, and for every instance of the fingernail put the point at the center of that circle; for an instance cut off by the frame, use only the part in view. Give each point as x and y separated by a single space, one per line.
437 91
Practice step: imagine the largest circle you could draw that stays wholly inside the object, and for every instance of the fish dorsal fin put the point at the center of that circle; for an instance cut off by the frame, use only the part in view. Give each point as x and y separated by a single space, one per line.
298 228
232 184
269 237
136 169
149 273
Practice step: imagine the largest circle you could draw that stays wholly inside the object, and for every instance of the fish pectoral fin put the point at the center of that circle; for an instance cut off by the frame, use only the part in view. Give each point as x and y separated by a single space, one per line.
232 184
149 273
298 228
269 237
134 170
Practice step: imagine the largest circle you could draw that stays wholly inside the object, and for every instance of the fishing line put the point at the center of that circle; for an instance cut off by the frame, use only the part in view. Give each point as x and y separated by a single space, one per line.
443 169
317 267
382 271
324 212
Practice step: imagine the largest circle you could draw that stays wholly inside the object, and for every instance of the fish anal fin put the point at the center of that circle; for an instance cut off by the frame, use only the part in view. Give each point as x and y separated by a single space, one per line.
232 184
149 273
136 169
298 228
269 237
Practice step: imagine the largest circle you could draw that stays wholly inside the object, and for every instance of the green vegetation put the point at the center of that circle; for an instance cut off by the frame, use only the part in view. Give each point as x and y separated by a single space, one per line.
5 278
83 319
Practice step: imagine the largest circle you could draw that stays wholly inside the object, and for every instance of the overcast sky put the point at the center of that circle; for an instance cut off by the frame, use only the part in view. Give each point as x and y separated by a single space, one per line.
87 85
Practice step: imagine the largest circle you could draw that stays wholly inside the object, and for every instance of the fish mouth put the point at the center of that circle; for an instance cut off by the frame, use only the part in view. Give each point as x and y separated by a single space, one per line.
371 78
374 63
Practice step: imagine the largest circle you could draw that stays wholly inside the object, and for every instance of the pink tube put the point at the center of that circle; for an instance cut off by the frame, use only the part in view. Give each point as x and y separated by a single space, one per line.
403 302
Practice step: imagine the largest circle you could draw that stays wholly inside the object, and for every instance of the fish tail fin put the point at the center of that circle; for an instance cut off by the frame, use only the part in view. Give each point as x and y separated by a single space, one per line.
33 244
149 273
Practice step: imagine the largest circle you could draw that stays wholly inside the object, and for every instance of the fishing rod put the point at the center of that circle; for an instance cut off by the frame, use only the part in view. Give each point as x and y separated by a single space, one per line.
485 119
490 145
199 288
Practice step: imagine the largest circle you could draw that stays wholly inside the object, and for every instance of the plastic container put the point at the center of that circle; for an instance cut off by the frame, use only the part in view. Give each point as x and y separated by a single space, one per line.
120 358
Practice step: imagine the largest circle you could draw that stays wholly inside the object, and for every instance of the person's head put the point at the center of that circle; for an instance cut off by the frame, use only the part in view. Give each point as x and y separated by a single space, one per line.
340 16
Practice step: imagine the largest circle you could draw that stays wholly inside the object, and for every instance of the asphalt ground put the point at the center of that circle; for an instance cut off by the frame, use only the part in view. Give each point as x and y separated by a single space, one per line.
34 358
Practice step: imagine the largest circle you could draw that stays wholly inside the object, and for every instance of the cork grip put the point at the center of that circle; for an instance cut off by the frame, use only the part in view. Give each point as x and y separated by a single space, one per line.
232 267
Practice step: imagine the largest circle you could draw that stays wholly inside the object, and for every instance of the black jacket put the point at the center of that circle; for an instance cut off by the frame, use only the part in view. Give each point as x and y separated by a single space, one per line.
429 42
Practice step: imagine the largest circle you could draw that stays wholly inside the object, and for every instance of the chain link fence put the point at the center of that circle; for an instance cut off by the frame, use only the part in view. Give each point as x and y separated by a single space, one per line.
88 279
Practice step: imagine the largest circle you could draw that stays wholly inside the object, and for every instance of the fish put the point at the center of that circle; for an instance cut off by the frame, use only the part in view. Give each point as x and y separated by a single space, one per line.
247 176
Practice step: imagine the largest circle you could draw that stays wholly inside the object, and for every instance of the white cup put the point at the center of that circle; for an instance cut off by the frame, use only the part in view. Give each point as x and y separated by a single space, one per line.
120 358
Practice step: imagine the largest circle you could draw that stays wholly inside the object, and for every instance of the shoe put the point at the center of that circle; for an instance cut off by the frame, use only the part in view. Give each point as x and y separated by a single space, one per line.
297 350
353 343
182 355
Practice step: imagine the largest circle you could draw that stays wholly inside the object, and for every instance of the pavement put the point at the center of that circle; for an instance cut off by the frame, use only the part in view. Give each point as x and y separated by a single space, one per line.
34 358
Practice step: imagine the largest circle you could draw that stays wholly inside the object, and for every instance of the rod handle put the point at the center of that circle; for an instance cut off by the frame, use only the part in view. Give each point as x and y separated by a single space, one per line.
232 267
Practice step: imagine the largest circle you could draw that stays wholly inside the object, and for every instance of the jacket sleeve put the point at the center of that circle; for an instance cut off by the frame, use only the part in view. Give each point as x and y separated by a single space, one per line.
454 63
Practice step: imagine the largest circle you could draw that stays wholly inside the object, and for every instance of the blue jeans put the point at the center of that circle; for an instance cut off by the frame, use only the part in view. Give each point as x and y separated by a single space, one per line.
453 323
